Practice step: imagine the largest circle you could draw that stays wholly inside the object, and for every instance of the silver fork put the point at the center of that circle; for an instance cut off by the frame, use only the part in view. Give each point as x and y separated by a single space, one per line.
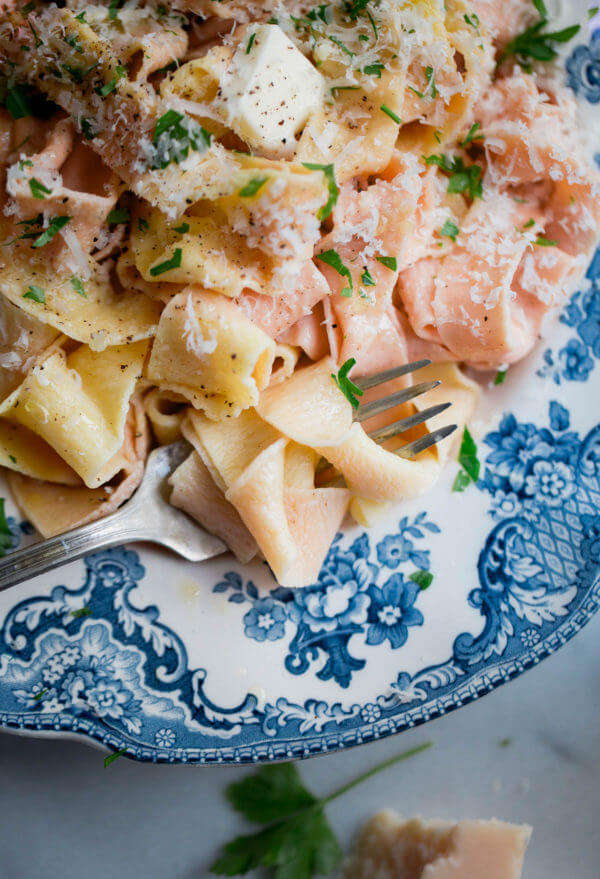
148 516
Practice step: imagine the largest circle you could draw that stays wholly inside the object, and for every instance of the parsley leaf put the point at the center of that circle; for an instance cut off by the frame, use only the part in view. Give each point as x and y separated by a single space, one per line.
77 285
469 462
81 612
181 230
36 293
6 535
113 9
472 134
169 264
38 190
500 377
423 579
393 116
374 69
367 278
40 695
55 225
333 259
105 90
144 225
545 242
174 136
463 178
118 215
297 842
390 262
536 44
431 91
252 187
17 102
450 230
112 757
350 390
250 43
329 172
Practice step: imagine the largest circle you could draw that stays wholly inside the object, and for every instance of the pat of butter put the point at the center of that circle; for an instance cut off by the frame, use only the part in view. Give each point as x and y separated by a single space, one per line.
269 91
391 848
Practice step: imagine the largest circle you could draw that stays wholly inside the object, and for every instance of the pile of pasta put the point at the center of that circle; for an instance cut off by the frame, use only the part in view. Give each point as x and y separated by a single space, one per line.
211 207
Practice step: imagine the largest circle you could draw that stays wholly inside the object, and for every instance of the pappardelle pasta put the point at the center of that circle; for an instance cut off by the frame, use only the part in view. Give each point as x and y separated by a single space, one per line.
213 209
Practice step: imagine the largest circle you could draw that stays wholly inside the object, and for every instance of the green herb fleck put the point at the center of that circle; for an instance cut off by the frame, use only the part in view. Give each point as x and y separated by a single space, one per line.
423 579
472 134
297 841
592 11
55 225
113 9
6 535
529 223
181 230
545 242
469 462
500 377
350 390
17 102
25 163
374 69
463 178
450 230
341 46
169 264
13 459
118 215
109 87
535 44
77 285
143 225
250 43
329 172
38 190
367 278
88 131
40 695
174 136
504 743
36 293
333 259
393 116
81 612
81 17
252 187
112 757
390 262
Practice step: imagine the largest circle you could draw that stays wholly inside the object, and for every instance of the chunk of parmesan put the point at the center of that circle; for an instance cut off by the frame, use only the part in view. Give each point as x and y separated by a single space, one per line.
269 91
390 848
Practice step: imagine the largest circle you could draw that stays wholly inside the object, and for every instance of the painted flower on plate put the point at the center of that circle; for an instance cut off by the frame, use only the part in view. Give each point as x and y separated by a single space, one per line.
575 361
393 550
551 482
391 611
165 738
583 70
329 607
265 621
370 713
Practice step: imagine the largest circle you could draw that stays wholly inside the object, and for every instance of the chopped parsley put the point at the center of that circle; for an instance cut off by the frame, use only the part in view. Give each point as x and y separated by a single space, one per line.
173 263
295 839
367 278
55 225
144 225
118 215
350 390
41 694
329 172
109 87
87 130
36 293
112 757
423 579
81 612
463 178
77 285
25 163
13 459
393 116
17 102
181 230
450 230
472 134
252 187
79 73
545 242
38 190
431 91
250 43
113 9
374 69
333 259
342 46
74 43
529 223
536 44
6 535
390 262
469 462
81 17
472 20
174 136
500 377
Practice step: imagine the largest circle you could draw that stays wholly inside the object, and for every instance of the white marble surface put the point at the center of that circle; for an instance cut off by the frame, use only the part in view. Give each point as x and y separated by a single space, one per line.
63 815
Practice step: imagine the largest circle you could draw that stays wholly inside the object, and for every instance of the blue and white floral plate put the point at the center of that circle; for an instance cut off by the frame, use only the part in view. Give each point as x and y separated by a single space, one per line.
210 663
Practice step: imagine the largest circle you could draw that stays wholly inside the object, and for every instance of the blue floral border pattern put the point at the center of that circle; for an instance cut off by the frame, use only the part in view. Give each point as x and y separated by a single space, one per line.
117 674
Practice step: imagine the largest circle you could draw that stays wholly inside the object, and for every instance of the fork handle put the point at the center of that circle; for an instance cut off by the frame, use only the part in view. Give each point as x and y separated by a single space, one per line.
48 554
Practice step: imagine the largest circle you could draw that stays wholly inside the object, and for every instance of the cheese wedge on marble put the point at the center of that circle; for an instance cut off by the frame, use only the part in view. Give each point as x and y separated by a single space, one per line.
390 847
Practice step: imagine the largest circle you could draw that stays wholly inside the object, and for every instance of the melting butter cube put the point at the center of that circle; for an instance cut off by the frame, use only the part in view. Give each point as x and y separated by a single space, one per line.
391 848
269 91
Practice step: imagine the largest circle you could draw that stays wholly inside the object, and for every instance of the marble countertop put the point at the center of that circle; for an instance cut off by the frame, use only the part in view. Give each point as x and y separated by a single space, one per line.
64 815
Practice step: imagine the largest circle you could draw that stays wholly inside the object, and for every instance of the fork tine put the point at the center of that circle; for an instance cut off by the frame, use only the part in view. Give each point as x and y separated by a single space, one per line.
425 442
367 410
397 427
371 381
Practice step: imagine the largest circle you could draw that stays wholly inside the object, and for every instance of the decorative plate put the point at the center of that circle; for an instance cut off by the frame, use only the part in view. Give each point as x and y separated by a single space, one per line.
210 663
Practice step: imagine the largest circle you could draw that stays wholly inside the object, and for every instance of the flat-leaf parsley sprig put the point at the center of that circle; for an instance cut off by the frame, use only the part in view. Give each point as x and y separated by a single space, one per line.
297 842
350 390
536 44
463 178
470 465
